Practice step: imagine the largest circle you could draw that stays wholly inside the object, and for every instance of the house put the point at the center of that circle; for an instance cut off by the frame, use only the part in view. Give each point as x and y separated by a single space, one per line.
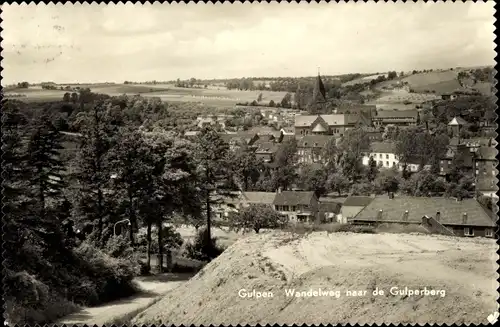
352 206
329 211
396 117
437 214
287 131
264 138
266 151
473 144
357 109
310 148
485 171
235 140
334 124
384 154
374 134
298 206
250 198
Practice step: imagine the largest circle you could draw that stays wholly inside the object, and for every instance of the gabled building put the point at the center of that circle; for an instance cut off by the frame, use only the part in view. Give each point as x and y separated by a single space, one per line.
298 206
435 214
457 150
310 148
329 211
396 117
334 124
384 154
266 151
485 171
352 206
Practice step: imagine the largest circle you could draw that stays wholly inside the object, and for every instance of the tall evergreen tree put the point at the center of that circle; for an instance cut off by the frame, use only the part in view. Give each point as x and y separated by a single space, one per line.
215 176
93 165
45 164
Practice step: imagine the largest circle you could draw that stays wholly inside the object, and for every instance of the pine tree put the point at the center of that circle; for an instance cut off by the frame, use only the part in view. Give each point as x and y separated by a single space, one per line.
93 173
45 165
132 169
216 178
15 177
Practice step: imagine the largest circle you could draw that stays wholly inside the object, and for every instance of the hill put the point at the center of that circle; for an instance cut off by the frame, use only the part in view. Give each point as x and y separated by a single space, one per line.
464 269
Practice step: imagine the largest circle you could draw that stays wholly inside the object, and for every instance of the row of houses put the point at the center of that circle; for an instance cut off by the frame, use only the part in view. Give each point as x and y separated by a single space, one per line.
435 214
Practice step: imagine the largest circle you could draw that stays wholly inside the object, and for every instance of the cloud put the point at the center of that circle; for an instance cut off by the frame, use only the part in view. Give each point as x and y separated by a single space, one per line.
166 41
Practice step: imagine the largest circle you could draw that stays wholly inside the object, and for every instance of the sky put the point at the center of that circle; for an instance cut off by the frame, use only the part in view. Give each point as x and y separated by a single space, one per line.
114 43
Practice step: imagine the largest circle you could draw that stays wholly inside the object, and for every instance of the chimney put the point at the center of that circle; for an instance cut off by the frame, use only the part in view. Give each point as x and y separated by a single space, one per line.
391 195
279 189
379 215
438 216
464 218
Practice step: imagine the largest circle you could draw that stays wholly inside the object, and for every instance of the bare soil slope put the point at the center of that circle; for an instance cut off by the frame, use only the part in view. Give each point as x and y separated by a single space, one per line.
464 268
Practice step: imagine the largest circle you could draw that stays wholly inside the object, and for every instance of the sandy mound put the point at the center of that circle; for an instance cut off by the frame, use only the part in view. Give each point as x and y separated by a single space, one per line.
464 269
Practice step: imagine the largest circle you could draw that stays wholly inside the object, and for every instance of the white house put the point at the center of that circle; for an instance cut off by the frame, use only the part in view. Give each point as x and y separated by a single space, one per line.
384 154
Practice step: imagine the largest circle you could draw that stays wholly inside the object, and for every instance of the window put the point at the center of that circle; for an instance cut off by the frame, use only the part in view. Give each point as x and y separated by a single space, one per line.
387 157
468 231
294 208
441 169
277 208
380 155
285 208
387 163
488 233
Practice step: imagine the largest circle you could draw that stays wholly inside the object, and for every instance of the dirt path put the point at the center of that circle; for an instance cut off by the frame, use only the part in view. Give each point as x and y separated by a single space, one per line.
461 271
153 286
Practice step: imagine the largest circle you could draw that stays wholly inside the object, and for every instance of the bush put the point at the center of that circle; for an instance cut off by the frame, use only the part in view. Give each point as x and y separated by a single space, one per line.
40 289
112 277
171 240
199 250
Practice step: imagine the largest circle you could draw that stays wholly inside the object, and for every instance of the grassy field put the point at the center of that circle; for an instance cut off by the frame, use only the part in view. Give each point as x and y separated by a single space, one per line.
363 80
166 92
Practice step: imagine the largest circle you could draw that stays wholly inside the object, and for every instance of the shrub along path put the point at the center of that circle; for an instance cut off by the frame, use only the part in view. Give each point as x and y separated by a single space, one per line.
153 287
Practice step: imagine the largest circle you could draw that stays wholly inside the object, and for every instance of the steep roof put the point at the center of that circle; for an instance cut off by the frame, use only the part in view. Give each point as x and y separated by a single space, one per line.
305 120
293 198
330 207
319 128
267 147
319 141
457 121
357 201
319 92
383 147
334 119
259 197
451 211
387 114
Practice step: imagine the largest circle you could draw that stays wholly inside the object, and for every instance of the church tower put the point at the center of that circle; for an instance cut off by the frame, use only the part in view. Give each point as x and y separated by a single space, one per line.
318 101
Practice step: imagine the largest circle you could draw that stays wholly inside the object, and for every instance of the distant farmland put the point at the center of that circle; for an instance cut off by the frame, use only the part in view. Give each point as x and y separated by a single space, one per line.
166 92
